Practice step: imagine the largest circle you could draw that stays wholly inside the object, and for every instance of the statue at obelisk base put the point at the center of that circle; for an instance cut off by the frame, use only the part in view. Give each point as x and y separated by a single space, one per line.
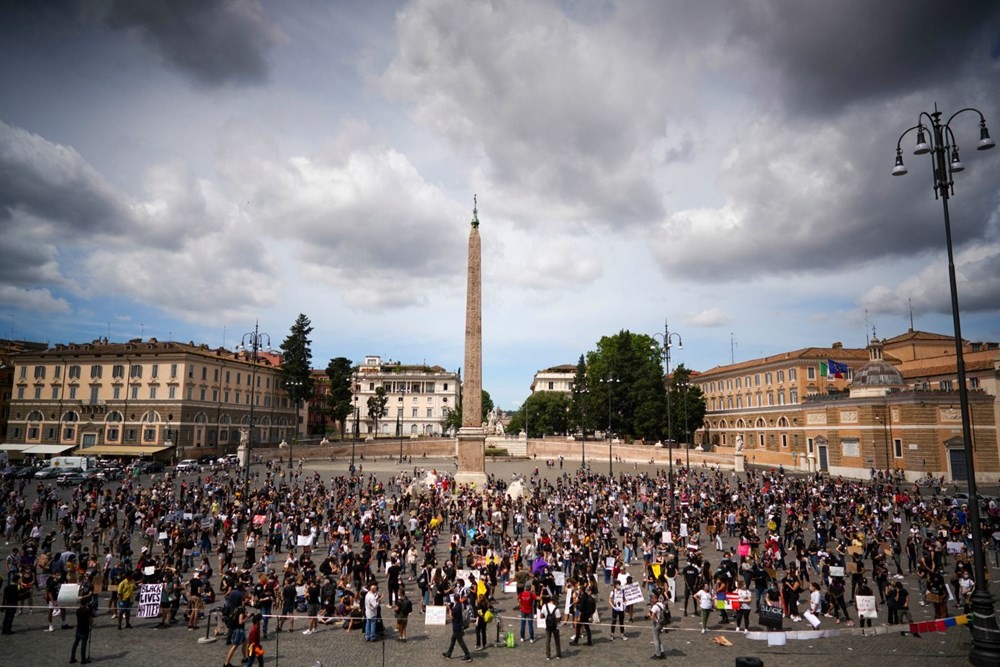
739 465
471 443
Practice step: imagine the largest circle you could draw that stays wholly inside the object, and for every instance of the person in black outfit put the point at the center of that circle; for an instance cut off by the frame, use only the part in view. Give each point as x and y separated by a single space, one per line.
587 605
84 615
692 583
10 600
457 611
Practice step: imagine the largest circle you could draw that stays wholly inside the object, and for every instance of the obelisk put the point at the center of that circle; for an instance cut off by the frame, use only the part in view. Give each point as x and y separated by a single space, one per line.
472 437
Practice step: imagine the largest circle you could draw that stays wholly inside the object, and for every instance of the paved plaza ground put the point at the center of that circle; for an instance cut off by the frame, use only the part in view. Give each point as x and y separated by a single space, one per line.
147 646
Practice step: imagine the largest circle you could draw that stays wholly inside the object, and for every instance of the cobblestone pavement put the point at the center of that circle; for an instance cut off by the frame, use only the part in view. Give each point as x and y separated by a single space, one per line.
145 645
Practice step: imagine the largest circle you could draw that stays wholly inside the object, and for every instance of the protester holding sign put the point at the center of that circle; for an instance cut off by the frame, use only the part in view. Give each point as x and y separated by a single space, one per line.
616 599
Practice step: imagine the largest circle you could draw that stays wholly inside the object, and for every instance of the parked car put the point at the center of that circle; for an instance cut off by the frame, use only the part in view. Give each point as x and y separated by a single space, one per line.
149 467
188 465
72 478
51 472
26 472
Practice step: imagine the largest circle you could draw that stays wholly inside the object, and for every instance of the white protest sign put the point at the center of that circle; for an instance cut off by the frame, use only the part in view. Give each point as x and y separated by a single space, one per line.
955 547
559 577
666 537
866 606
633 594
684 530
436 615
609 562
510 587
68 594
149 600
305 541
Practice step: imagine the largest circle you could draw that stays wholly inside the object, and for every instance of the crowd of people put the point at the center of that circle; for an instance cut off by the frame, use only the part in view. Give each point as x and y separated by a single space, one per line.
294 552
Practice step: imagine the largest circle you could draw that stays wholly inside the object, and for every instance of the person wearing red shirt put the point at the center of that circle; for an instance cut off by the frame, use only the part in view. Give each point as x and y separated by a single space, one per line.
528 600
254 647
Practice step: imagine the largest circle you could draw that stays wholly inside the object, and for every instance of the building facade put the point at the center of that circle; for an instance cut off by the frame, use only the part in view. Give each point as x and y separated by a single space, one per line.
418 399
557 378
146 398
9 349
873 416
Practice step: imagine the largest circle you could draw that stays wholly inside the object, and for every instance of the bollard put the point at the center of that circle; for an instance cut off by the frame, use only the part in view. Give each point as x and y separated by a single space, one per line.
749 661
209 637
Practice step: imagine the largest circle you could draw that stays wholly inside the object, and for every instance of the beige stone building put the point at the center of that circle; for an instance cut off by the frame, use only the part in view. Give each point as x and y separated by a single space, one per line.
145 398
556 378
896 406
419 398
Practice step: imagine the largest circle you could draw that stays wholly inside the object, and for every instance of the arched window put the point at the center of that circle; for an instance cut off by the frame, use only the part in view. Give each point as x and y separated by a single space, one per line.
35 416
783 422
760 423
151 417
201 418
114 416
70 416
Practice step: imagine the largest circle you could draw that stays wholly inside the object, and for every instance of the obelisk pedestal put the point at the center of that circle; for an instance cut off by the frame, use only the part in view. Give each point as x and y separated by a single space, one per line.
739 463
471 444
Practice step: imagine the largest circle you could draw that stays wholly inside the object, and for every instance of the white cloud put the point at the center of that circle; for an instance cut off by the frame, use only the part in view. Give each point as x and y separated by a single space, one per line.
38 300
710 317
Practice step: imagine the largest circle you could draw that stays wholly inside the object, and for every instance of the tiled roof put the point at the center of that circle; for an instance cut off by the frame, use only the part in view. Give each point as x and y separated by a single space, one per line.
917 335
850 356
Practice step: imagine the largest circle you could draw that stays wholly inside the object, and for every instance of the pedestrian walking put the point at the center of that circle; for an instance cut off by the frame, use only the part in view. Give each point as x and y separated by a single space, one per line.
456 610
705 601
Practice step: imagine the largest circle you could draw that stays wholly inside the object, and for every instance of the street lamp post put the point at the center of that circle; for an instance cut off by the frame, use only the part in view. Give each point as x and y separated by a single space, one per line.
611 381
255 340
668 339
687 447
294 384
399 420
884 420
357 416
945 162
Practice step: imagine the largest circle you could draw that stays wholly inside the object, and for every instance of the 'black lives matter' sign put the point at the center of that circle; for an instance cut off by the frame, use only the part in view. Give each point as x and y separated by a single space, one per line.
149 600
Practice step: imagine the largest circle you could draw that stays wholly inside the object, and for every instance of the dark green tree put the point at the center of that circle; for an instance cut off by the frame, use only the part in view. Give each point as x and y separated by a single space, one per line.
625 383
581 415
453 420
542 413
487 405
687 405
296 363
339 399
376 407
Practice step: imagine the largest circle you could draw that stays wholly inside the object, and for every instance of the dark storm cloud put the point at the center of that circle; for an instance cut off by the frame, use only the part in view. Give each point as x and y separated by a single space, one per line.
214 42
829 55
56 184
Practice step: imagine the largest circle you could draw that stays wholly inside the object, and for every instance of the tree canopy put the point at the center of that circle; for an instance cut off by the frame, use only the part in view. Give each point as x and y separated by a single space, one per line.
296 362
340 396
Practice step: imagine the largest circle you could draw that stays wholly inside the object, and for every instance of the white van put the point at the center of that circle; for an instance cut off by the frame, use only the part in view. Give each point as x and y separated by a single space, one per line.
81 462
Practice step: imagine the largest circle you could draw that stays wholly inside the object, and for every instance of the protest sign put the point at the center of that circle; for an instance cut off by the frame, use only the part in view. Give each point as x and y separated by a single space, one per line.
68 594
149 600
836 571
632 594
866 606
436 615
560 578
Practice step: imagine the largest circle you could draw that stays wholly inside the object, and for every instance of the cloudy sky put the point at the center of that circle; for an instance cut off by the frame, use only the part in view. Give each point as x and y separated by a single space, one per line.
182 168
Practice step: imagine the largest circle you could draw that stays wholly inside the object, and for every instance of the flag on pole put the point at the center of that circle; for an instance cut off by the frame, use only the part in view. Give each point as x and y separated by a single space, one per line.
836 369
822 369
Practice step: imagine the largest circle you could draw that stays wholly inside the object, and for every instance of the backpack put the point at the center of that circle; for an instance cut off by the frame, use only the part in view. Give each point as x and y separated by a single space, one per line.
551 621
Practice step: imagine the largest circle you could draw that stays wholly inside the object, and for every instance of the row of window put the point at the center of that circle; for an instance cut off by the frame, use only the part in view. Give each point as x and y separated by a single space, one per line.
769 399
136 372
407 387
152 393
755 380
